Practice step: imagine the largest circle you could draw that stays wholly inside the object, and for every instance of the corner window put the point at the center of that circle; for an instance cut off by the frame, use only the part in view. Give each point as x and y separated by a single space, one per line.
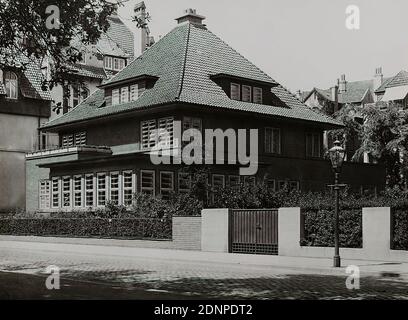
258 95
45 192
272 140
101 178
128 187
235 91
77 191
89 190
246 93
11 85
55 192
66 192
114 187
313 145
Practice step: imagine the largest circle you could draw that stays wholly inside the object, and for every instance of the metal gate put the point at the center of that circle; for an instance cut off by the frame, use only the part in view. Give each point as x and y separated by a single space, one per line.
253 231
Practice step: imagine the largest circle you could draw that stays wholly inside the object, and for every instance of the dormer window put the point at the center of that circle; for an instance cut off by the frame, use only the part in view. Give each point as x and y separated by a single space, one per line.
258 95
115 64
11 84
246 93
127 94
235 91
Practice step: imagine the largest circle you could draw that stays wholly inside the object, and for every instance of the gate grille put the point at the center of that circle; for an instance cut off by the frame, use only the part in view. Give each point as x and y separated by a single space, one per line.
254 231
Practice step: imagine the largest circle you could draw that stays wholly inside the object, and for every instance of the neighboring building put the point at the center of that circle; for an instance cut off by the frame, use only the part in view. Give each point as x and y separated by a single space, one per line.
24 107
113 52
191 76
394 89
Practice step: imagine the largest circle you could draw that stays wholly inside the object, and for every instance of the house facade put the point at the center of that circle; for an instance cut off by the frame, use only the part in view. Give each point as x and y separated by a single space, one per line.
192 78
24 107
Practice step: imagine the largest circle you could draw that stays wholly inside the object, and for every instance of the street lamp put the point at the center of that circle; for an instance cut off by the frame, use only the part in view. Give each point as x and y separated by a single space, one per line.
336 154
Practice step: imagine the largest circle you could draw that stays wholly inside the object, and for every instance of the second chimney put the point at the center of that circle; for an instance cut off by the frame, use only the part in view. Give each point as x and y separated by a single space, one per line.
342 83
378 78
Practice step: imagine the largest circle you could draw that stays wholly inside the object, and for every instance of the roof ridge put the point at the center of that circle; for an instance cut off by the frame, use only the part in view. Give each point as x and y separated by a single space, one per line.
183 72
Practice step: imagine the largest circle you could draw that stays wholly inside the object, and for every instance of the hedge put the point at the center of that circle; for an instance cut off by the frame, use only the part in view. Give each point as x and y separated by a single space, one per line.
399 229
77 227
319 228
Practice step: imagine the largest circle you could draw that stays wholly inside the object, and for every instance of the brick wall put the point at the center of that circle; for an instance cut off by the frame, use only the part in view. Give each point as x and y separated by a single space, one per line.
187 233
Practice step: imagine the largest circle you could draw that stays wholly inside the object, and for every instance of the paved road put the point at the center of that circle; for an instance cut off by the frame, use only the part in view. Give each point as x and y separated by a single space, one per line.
122 277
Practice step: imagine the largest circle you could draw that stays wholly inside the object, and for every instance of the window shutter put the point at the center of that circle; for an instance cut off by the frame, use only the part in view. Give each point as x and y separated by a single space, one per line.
246 93
134 92
258 95
67 140
115 97
80 139
166 132
235 91
124 95
149 134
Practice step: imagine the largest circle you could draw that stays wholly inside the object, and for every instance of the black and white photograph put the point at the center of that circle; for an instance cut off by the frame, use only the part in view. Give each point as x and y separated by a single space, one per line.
186 153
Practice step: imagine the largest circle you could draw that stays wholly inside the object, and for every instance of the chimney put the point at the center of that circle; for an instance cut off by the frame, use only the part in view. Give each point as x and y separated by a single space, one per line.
140 13
342 84
335 97
191 16
378 78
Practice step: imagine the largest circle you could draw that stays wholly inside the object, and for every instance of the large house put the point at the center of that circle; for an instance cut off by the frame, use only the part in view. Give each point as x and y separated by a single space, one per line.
194 77
24 106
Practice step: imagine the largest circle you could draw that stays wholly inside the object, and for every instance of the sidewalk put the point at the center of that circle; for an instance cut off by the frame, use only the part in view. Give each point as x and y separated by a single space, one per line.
124 248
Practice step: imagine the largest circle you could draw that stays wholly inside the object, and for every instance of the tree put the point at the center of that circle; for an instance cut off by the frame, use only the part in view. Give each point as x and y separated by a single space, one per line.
385 137
34 30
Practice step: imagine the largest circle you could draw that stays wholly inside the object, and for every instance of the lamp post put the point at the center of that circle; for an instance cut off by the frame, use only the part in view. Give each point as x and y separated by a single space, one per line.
336 154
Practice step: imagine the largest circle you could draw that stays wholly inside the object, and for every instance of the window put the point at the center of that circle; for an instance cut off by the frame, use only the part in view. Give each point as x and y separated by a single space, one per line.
233 181
147 182
108 63
124 95
218 181
149 134
141 88
80 138
45 190
270 184
250 181
114 187
116 64
121 64
235 91
66 192
67 140
165 137
115 97
77 191
257 95
272 140
184 182
89 190
166 183
134 92
191 123
246 93
294 186
128 187
10 82
313 145
282 185
75 95
101 178
55 192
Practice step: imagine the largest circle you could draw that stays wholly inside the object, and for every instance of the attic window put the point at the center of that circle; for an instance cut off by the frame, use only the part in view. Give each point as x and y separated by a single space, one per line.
257 95
235 91
115 64
10 81
127 94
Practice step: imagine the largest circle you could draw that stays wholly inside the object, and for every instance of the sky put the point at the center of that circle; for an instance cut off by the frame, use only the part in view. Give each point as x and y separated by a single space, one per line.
300 43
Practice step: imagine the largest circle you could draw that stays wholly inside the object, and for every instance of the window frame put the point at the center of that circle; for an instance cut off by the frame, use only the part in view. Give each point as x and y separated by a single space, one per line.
115 189
91 190
254 89
313 135
250 93
100 174
166 190
64 192
56 193
10 83
238 90
46 194
76 192
152 129
270 149
179 178
153 188
132 188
